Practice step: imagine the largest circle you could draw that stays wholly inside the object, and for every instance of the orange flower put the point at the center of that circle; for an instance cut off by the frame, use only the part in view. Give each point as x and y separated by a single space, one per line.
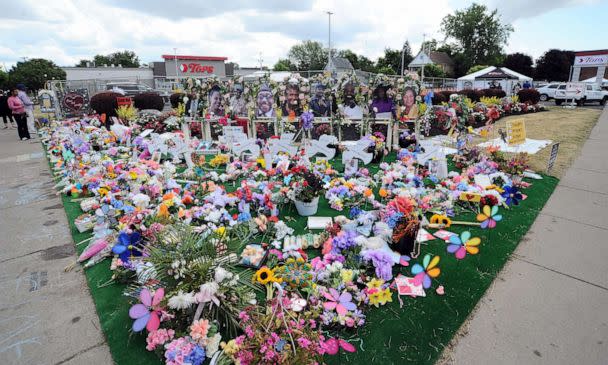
187 199
168 196
383 193
163 211
368 193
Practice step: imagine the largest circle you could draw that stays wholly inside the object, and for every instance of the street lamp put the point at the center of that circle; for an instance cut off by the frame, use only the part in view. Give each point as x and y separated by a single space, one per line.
329 14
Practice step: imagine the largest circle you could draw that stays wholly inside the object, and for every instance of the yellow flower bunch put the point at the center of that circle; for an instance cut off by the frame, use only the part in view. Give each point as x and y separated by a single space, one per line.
265 276
219 160
180 110
379 297
490 101
126 112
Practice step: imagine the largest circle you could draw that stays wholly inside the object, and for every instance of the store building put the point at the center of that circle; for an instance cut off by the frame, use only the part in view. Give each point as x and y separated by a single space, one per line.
590 64
191 66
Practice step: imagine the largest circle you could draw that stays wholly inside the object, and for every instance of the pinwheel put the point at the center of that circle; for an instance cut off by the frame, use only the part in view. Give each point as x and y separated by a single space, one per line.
489 217
427 271
464 244
146 313
342 303
127 245
511 195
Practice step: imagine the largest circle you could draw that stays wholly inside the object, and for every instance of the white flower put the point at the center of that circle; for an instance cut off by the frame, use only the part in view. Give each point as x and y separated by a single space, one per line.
222 274
181 301
207 293
213 344
141 200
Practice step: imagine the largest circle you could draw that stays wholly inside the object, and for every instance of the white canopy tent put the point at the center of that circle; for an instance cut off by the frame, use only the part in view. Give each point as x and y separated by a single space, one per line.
493 76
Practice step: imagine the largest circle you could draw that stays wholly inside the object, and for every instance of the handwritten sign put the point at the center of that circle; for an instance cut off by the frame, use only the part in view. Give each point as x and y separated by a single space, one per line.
553 157
320 146
516 132
73 101
359 151
124 101
233 134
470 197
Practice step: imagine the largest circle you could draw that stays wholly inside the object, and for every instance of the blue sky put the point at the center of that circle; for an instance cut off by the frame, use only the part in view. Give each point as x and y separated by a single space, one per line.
66 31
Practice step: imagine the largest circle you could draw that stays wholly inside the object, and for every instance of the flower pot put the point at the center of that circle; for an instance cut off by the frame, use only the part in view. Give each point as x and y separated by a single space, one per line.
307 209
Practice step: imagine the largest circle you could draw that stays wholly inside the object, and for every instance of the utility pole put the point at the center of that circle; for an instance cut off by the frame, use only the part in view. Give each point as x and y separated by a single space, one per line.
329 14
422 73
175 60
402 58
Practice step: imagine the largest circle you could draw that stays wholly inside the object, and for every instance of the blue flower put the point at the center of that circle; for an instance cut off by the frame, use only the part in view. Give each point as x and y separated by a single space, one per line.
196 357
127 245
244 217
511 195
354 212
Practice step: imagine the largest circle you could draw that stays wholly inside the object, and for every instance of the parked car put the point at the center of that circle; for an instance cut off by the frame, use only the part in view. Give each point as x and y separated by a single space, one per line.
132 89
584 93
547 92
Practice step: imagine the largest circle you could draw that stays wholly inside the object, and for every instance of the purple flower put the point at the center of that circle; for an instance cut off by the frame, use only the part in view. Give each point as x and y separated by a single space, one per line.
382 261
307 118
344 241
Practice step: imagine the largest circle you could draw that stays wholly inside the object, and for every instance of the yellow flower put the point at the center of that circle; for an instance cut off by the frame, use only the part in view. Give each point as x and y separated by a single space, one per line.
132 175
264 276
230 348
386 295
221 231
375 283
348 184
374 297
347 275
379 297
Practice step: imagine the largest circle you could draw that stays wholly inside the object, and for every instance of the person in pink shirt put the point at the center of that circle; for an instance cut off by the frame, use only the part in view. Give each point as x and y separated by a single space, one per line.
18 109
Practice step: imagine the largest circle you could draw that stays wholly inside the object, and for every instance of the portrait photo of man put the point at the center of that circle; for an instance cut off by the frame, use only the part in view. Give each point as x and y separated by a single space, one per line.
292 102
264 103
237 101
319 104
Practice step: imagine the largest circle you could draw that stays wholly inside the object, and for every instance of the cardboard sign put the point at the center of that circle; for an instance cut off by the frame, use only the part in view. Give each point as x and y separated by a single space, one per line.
516 132
283 144
439 168
351 167
320 146
470 197
358 151
233 134
553 157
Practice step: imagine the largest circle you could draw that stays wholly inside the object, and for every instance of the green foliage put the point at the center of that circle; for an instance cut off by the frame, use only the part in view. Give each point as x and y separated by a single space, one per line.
123 58
34 73
433 71
476 68
479 32
554 65
429 46
392 60
519 62
283 64
359 62
4 80
308 55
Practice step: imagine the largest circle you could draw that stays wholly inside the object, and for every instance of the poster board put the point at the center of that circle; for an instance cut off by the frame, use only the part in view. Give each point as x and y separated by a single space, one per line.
553 156
516 132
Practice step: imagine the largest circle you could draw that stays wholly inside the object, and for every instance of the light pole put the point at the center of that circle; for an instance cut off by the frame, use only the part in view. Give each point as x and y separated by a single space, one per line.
329 14
402 58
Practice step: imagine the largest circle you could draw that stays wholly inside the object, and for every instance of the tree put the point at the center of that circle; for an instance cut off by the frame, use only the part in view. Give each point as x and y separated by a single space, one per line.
283 64
122 58
359 62
554 65
308 55
429 46
4 80
519 62
476 68
479 32
391 61
34 73
433 71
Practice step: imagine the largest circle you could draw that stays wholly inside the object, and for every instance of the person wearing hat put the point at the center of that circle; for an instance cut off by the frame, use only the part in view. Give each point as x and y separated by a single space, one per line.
237 101
5 111
18 109
264 103
382 105
29 108
350 108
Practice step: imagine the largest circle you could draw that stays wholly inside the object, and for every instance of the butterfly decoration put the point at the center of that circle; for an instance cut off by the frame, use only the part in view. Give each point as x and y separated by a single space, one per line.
333 345
489 217
427 271
404 260
146 313
464 244
127 245
342 303
106 213
511 195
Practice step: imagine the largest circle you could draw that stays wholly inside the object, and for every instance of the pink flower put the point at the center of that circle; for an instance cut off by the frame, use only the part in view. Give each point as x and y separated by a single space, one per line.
158 337
243 316
249 332
199 329
304 342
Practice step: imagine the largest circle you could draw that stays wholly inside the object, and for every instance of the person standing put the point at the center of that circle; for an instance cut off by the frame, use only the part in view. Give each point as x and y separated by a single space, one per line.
5 111
18 109
29 108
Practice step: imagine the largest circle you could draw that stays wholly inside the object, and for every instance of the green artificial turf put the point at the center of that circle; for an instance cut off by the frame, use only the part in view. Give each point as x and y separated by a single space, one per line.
415 333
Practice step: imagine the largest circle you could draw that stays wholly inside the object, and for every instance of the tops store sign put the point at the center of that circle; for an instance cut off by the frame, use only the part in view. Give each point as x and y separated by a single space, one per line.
592 60
196 68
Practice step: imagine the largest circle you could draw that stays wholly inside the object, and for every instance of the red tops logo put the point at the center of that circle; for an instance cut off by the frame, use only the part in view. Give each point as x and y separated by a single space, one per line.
195 68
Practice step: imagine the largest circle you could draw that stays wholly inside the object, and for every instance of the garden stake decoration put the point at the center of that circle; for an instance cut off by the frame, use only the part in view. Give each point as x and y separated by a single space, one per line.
442 221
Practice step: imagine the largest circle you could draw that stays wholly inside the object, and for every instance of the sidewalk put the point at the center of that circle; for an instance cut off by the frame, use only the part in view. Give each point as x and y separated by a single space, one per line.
46 315
550 303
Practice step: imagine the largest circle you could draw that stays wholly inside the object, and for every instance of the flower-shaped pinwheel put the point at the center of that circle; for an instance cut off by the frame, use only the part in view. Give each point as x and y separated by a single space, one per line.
127 245
512 195
489 217
146 313
342 303
464 244
333 345
425 272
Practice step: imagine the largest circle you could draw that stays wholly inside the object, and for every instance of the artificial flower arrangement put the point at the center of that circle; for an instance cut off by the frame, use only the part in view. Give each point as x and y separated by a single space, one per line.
305 189
343 193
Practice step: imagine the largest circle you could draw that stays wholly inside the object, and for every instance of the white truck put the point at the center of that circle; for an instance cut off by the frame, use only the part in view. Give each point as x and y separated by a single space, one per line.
580 93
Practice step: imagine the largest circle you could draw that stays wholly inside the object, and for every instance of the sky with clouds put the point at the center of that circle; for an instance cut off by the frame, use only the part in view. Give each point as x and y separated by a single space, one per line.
66 31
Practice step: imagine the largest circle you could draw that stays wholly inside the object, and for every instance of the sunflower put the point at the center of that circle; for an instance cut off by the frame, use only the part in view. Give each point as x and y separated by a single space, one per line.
264 276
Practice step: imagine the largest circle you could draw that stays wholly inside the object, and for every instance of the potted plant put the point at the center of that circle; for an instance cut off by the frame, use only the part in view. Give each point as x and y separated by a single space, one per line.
306 189
377 146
